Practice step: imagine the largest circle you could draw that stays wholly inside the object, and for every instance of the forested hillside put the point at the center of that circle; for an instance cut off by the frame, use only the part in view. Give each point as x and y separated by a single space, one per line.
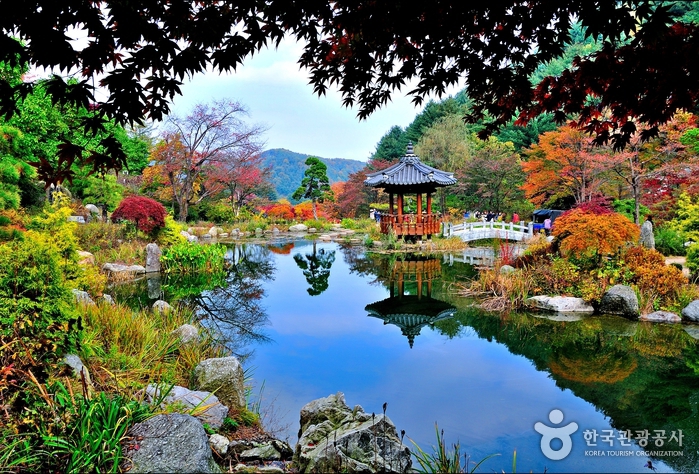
288 168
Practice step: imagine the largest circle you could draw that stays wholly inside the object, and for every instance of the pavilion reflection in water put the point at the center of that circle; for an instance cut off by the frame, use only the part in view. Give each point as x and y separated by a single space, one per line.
411 312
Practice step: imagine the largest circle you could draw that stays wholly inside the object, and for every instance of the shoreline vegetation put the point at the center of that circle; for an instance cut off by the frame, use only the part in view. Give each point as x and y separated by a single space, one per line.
123 350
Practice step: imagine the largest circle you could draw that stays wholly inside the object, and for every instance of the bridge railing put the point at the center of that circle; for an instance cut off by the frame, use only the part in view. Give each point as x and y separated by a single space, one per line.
502 227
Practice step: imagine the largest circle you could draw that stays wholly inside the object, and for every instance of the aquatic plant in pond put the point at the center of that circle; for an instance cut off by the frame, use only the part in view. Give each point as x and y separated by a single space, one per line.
189 257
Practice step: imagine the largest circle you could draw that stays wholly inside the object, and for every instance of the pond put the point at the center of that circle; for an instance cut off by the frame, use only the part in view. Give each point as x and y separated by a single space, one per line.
317 318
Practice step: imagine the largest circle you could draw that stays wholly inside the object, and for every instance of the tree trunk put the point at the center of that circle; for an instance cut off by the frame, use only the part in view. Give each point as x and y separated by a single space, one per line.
315 214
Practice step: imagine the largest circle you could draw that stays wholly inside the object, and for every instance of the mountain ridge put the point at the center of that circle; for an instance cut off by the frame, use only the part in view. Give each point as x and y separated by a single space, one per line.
288 168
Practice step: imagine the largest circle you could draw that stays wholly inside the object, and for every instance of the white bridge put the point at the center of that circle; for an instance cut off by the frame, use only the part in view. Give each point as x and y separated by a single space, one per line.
469 231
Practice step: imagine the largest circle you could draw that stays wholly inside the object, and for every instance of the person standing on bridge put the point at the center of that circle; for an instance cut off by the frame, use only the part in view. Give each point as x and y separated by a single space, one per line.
515 218
547 226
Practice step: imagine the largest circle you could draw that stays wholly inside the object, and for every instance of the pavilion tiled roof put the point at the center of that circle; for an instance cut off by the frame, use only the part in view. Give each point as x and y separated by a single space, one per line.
410 171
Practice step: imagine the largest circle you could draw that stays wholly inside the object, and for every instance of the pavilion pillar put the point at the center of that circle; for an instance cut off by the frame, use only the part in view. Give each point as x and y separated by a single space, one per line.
429 203
419 207
400 205
390 203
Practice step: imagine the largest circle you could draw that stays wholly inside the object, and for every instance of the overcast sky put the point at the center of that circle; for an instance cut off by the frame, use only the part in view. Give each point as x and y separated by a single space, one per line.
277 95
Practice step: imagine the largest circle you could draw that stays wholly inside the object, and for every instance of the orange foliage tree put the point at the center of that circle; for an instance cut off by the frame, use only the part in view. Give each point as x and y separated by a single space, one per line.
585 234
282 209
564 165
304 210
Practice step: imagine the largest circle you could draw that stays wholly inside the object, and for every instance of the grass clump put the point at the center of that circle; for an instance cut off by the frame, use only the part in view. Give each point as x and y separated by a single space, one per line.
132 348
443 460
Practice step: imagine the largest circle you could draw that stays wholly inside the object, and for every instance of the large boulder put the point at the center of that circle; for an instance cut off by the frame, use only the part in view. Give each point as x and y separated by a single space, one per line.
82 298
559 304
189 236
203 405
162 307
186 333
691 311
335 438
85 258
77 367
94 210
661 317
153 254
621 300
169 443
223 376
647 239
692 330
298 228
119 269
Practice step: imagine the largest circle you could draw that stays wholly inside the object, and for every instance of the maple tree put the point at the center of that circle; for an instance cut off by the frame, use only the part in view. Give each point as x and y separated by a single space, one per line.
148 215
584 234
491 177
565 165
211 140
355 198
139 52
243 175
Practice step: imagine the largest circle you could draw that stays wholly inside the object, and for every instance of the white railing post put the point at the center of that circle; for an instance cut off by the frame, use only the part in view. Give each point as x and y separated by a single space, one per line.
530 229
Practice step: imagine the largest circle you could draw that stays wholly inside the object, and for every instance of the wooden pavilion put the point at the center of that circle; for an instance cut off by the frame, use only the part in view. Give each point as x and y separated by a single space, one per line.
410 176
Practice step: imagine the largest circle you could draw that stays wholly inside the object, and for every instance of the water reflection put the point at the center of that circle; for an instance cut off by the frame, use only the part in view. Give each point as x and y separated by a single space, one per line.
234 309
486 378
410 305
316 268
642 376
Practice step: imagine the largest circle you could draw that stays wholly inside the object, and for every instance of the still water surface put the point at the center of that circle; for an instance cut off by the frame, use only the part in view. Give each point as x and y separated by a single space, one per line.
298 312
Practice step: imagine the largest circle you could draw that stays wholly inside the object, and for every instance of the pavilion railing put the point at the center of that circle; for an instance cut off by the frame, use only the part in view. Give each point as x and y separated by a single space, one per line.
411 224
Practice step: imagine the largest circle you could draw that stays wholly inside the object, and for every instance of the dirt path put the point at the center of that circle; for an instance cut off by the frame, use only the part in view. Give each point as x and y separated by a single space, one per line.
681 260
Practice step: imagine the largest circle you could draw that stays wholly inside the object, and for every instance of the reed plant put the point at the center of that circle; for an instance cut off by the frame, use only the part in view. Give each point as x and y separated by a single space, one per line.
136 347
501 291
443 460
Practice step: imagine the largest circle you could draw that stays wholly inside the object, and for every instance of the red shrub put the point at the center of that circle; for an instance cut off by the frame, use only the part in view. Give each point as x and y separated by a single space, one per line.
146 213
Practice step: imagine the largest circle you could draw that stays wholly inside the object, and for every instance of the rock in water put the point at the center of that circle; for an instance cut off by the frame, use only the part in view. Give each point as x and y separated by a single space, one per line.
169 443
153 258
691 311
335 438
620 299
647 239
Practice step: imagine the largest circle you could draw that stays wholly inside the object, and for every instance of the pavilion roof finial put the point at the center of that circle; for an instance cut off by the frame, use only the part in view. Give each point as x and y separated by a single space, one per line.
410 151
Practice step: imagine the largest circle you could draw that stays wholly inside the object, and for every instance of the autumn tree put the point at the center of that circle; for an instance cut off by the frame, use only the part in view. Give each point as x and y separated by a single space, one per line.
564 166
356 197
193 147
491 178
315 184
243 175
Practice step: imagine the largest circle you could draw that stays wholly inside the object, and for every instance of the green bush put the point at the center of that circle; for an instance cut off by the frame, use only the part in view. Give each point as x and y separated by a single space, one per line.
693 259
220 212
37 321
669 241
170 234
189 257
